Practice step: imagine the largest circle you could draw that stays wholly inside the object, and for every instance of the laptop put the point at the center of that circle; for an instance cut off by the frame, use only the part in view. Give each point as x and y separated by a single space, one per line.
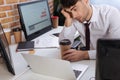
54 68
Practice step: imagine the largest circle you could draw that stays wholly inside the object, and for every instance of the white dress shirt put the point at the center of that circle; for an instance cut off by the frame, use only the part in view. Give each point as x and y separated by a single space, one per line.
104 23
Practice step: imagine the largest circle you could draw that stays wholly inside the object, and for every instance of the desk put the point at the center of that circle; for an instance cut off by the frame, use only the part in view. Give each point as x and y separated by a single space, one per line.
53 53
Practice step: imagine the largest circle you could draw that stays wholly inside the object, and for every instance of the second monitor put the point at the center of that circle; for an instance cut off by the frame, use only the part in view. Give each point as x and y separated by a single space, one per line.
35 18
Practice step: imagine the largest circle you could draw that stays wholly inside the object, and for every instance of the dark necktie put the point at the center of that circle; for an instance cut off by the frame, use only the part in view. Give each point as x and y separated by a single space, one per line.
87 36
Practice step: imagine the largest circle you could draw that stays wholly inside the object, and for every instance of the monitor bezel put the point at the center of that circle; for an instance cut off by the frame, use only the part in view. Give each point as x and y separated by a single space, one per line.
4 54
105 50
37 33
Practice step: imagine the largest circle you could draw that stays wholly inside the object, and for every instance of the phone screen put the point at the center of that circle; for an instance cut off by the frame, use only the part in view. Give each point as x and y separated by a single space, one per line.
56 34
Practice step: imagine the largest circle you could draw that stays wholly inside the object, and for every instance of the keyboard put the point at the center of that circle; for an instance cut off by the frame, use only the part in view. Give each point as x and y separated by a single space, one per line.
77 73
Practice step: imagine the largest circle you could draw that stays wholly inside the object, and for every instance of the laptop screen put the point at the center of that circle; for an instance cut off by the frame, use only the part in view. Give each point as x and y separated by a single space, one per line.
5 52
35 18
107 59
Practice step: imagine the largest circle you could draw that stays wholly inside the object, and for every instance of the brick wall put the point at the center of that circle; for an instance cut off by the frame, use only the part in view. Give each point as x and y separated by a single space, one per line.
9 16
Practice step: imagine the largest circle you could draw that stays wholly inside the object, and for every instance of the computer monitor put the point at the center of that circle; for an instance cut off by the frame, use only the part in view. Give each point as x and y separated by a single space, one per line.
35 18
107 59
5 52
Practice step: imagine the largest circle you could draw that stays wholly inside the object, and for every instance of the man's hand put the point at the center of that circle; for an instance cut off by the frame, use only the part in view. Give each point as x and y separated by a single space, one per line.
68 20
75 55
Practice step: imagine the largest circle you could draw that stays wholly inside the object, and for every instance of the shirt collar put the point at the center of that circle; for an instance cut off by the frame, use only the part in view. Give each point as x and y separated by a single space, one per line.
94 14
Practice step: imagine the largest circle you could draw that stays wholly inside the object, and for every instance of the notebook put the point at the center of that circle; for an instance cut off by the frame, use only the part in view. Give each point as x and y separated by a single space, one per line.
25 46
54 68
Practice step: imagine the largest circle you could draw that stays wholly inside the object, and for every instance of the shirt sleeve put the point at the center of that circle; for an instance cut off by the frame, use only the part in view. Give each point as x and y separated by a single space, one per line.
114 19
68 33
92 54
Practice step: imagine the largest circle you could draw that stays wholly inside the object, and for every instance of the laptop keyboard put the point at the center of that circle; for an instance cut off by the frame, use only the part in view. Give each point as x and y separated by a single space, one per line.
77 73
79 69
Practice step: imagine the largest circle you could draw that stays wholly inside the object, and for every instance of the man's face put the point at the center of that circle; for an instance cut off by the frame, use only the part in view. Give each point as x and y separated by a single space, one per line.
79 11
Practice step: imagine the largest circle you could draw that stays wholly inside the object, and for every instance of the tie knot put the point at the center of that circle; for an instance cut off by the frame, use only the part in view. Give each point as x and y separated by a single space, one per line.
87 24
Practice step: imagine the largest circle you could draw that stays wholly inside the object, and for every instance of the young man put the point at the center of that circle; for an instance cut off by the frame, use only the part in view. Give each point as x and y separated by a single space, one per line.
104 22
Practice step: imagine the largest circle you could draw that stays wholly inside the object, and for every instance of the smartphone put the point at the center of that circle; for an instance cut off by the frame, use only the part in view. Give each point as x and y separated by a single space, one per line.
56 34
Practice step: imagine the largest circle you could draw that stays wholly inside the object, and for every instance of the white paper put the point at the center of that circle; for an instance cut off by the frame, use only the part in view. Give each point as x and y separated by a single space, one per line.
47 42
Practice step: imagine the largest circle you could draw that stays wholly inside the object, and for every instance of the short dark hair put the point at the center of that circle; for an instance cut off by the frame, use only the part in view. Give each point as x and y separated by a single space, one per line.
68 3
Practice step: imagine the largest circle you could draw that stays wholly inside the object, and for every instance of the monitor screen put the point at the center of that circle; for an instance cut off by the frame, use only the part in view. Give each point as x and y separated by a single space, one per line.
5 52
35 18
107 59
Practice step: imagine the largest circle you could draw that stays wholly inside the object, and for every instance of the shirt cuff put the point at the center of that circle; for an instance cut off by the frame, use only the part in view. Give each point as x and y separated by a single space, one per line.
92 54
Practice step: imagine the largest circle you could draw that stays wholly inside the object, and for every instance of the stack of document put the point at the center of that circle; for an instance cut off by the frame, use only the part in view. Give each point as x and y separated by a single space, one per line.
50 41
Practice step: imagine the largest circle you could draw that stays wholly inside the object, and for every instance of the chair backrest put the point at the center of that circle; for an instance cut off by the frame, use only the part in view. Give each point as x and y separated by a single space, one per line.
107 59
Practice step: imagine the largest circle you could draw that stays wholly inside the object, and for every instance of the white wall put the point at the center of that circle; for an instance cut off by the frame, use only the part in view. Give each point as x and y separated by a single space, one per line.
115 3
